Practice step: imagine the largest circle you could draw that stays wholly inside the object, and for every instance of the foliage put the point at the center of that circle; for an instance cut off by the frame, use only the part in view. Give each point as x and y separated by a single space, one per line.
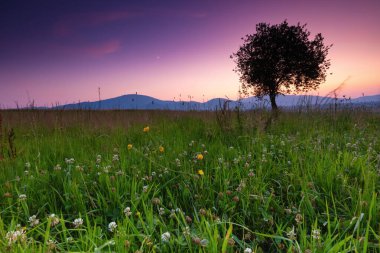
280 59
310 183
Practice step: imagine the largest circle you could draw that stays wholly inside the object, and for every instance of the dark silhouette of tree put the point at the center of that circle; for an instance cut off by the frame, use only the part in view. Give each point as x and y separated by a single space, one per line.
280 59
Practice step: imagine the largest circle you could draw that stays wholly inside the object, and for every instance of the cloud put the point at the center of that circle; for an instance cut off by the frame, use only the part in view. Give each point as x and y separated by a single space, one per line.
102 49
69 24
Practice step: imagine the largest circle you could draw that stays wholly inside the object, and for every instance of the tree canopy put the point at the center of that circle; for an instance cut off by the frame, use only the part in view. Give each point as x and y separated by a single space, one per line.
281 59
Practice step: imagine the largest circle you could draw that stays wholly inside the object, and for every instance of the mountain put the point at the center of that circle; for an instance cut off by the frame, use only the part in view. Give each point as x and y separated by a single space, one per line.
142 102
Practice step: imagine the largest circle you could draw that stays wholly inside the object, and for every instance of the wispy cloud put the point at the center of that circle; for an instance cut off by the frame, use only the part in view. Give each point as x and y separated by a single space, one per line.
104 48
71 23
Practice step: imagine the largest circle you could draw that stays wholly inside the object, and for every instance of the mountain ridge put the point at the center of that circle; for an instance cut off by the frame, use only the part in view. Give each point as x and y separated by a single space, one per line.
144 102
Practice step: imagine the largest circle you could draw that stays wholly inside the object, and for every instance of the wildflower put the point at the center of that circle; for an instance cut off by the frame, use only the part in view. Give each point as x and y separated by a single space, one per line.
178 162
54 220
27 165
248 250
204 243
129 147
291 234
69 239
188 219
115 158
199 157
161 211
231 242
186 231
156 201
14 236
146 129
7 195
33 220
235 199
112 226
165 237
57 167
201 172
51 245
172 214
98 159
196 240
298 218
145 188
161 149
202 212
22 197
119 173
78 222
127 211
69 161
251 174
316 234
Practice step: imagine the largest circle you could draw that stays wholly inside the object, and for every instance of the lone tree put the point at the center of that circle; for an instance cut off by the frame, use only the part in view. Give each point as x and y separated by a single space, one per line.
280 59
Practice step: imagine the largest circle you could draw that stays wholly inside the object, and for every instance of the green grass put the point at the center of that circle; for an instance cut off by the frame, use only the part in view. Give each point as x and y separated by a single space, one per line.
307 182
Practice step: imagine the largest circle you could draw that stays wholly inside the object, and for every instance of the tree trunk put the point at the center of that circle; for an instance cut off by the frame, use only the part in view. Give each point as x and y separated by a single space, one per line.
272 97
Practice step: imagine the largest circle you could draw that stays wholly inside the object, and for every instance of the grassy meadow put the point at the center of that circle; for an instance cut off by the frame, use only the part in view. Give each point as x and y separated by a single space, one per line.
156 181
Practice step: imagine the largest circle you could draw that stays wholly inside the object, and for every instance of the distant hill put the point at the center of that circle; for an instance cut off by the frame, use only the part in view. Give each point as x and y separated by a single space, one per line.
142 102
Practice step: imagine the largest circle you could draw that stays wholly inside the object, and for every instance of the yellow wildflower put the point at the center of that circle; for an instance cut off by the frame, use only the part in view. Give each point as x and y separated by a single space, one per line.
200 157
200 172
129 146
161 149
146 129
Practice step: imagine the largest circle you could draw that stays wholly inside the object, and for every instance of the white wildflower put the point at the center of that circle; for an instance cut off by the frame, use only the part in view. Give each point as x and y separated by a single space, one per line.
112 226
78 222
22 197
292 234
316 234
14 236
127 211
98 159
248 250
165 237
33 221
186 231
54 220
115 158
69 161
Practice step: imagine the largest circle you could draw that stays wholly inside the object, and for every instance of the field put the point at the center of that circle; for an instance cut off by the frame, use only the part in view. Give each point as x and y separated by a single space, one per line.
140 181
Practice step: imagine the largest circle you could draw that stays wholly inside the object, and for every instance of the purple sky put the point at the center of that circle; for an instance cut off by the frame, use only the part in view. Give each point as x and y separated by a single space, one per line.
62 51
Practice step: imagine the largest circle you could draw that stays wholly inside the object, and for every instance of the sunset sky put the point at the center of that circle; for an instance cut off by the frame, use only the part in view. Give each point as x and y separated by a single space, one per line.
57 52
